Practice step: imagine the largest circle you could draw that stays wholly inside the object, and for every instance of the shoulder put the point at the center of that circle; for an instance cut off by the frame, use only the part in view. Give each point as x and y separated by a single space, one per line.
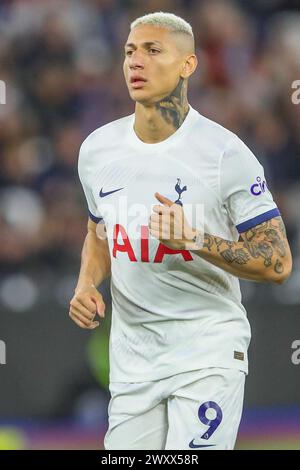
238 153
213 133
230 145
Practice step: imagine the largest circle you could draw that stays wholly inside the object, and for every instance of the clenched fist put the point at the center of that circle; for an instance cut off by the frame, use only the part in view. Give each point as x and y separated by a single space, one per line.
86 303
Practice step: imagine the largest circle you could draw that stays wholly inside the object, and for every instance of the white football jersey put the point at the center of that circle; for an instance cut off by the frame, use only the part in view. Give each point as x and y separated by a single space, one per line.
172 311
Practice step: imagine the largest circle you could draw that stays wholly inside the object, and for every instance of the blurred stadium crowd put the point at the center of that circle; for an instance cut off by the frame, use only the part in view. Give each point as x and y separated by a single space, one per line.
62 65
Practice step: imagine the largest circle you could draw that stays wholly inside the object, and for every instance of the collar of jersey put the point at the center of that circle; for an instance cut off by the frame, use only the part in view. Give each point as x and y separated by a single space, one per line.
138 143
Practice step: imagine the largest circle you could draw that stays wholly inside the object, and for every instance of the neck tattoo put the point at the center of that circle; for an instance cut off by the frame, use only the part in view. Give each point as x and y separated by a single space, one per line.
174 107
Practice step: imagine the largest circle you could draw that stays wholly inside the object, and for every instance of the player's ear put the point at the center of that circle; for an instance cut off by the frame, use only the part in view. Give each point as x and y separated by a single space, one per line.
189 66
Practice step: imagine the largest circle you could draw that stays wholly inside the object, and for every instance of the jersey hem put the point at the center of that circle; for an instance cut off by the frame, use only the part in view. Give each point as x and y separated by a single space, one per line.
139 379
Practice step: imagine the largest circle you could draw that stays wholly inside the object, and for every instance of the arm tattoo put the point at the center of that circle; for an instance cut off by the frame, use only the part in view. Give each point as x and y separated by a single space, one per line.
174 107
266 241
278 268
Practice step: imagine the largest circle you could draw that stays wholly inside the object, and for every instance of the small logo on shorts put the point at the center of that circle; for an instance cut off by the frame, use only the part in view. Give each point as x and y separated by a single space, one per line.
197 446
240 356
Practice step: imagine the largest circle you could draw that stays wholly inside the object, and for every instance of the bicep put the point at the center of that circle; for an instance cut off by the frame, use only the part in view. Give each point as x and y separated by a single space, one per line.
91 226
98 231
272 230
268 240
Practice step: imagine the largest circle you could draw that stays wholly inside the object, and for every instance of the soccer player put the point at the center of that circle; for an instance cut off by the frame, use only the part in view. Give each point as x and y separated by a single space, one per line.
179 334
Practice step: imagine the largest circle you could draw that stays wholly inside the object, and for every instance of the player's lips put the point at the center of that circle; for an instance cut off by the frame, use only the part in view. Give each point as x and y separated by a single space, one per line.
137 81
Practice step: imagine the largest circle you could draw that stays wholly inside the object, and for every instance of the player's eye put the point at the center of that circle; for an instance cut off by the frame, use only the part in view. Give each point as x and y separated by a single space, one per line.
128 53
153 51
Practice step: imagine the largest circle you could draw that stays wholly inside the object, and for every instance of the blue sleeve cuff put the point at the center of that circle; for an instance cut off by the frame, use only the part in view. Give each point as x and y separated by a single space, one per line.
95 219
259 219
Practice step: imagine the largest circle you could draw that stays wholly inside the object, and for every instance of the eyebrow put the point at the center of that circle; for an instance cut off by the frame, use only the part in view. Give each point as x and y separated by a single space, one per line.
144 44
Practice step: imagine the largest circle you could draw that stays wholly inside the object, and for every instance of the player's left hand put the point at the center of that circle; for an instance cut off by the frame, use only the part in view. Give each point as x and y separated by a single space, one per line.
168 224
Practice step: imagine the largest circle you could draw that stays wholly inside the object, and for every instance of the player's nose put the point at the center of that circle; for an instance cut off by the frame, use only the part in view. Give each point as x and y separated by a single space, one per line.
136 61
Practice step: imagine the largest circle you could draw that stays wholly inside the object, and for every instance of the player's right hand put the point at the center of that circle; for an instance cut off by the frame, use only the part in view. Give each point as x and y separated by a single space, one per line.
85 304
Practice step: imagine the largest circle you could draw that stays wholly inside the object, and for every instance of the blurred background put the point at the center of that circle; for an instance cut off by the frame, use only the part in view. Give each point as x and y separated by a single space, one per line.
62 65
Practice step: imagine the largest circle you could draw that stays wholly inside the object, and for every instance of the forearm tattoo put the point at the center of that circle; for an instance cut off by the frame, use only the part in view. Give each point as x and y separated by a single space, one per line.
266 241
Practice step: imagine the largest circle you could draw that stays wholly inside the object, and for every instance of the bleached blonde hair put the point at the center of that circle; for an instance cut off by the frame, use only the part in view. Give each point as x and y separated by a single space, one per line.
169 21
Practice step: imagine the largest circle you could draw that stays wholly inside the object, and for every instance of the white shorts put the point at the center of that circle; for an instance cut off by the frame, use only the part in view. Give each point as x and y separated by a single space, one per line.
198 410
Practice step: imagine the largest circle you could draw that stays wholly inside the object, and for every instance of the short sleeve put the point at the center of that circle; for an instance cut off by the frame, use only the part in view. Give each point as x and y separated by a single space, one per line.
243 187
84 176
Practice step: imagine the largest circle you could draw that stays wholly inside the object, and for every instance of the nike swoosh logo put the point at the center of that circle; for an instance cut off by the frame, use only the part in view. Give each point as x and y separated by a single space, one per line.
196 446
102 194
